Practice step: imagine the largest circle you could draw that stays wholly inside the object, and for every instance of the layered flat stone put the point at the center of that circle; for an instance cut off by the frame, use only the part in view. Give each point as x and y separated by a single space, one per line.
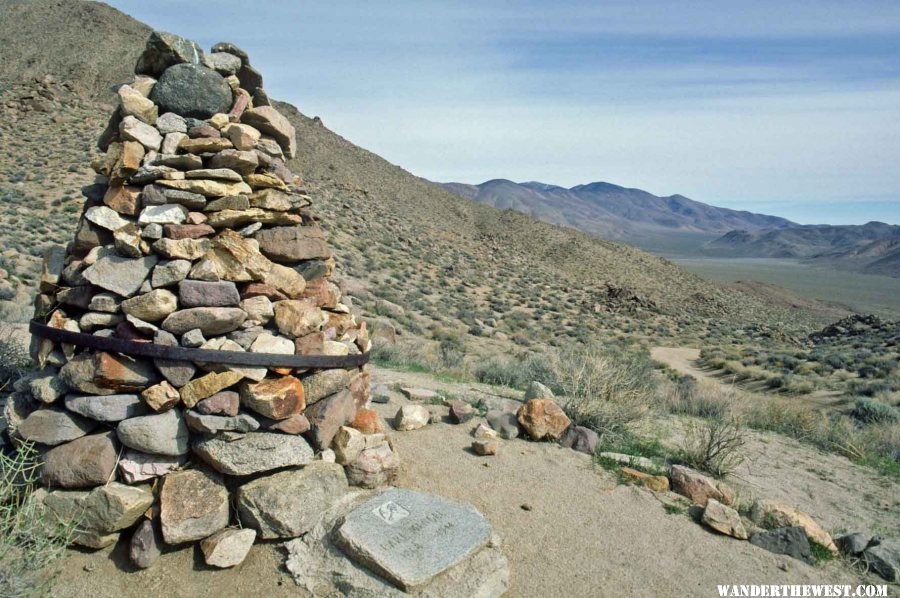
107 408
211 321
254 452
120 275
410 537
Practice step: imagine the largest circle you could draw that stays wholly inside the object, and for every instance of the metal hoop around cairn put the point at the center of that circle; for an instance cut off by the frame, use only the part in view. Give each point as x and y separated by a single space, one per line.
148 349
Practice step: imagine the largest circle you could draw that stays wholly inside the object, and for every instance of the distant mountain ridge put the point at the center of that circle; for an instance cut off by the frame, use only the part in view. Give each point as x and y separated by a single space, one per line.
872 248
613 212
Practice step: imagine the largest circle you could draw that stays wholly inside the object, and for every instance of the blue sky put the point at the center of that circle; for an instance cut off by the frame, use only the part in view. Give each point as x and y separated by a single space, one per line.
787 107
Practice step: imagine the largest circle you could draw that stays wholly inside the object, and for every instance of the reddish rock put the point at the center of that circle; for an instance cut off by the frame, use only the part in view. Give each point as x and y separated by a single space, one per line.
275 398
698 487
368 422
83 463
161 397
226 402
323 292
258 289
311 344
124 199
237 109
542 418
461 412
188 231
122 373
374 467
327 416
197 218
204 132
297 424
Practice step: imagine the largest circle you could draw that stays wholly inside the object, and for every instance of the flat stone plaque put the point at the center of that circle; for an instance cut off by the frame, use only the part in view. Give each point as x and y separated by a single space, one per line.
409 537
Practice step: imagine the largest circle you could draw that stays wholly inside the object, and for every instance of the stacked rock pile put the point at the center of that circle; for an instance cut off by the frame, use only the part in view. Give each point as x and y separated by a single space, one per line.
197 235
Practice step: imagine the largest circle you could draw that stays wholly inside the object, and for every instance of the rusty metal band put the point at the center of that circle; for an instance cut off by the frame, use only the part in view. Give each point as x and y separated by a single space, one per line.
153 351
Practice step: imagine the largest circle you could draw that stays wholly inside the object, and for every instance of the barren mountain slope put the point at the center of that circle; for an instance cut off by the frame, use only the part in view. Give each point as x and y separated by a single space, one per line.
873 247
448 261
611 211
84 43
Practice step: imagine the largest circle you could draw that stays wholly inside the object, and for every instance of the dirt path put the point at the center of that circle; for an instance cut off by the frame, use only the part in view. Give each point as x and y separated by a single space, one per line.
584 533
684 361
681 359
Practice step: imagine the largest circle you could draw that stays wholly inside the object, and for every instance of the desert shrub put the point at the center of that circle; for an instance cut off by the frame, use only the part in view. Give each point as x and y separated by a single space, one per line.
31 542
837 361
408 355
699 399
605 390
452 348
870 411
714 445
871 388
796 422
797 385
518 372
14 358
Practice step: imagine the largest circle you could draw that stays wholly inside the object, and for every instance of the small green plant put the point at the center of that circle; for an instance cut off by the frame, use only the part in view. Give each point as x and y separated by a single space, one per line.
820 554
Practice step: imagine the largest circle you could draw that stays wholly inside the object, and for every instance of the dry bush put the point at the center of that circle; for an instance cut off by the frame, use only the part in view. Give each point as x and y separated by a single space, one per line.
605 391
714 445
30 543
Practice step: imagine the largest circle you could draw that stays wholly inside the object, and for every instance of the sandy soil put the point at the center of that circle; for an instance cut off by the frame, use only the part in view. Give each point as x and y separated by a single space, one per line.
681 359
583 535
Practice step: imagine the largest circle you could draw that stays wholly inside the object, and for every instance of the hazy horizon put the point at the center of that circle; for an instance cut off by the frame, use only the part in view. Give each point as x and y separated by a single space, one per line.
787 110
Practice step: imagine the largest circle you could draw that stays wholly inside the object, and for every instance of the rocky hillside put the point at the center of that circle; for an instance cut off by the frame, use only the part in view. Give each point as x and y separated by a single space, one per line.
452 264
611 211
873 247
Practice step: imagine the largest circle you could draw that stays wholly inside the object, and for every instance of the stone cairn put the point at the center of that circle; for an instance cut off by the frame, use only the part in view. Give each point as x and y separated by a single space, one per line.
196 235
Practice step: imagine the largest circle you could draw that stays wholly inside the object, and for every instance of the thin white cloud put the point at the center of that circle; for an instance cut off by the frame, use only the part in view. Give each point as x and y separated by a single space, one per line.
727 102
